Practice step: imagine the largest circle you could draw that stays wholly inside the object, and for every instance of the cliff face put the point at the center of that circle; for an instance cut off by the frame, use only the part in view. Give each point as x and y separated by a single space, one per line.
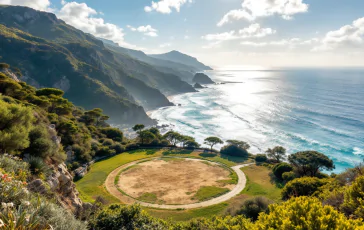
202 79
60 183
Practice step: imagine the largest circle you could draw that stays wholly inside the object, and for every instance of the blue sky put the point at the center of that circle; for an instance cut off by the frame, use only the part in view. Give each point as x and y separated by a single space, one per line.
226 32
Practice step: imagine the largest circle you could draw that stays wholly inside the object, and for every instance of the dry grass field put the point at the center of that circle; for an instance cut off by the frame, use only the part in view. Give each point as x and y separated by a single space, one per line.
175 181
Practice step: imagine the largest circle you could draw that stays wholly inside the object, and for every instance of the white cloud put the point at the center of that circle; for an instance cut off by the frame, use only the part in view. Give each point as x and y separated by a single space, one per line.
164 45
82 17
146 30
35 4
290 43
186 37
166 6
254 30
211 45
252 9
347 37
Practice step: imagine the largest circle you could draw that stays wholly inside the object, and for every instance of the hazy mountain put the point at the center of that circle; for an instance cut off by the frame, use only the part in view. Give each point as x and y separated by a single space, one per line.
185 72
179 57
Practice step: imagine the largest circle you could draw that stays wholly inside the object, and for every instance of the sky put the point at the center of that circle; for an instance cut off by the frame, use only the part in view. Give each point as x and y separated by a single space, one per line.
268 33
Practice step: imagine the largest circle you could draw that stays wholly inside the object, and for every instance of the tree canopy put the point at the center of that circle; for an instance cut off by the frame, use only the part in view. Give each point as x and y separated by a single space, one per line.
278 153
212 141
310 162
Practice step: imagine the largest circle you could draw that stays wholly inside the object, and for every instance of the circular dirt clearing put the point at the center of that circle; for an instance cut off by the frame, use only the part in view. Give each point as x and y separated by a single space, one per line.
175 181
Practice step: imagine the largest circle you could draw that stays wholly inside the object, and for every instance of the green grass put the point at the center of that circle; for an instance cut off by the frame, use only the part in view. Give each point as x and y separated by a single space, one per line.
148 197
233 179
208 192
91 185
185 215
259 183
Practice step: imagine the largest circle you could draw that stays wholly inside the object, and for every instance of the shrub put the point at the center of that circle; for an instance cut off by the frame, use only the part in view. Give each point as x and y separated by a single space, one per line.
37 166
304 213
233 150
118 148
4 66
216 223
41 144
21 209
288 176
117 217
281 168
107 142
164 143
252 207
16 122
113 133
260 158
105 151
305 186
354 199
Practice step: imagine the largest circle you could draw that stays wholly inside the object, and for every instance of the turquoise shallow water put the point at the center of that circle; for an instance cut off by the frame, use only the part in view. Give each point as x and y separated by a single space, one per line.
300 109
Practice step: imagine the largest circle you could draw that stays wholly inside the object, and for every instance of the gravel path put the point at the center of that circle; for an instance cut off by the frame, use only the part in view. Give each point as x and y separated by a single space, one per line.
112 189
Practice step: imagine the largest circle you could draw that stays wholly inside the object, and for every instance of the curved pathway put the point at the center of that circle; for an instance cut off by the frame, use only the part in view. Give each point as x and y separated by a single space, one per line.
112 189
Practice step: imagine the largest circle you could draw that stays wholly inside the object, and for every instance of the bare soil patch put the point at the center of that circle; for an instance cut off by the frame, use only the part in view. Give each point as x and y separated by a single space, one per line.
172 181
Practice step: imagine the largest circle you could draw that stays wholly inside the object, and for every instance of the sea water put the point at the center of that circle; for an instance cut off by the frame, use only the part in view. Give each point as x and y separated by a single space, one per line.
300 109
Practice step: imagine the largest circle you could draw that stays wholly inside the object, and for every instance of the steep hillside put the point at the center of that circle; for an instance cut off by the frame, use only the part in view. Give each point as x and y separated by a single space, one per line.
84 55
151 70
179 57
46 64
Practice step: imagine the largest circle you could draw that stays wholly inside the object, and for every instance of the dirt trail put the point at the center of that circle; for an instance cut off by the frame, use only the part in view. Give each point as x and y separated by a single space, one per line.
112 189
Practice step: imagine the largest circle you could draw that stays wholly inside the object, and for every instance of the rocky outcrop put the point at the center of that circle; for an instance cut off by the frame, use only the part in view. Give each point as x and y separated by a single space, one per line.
198 86
60 182
202 78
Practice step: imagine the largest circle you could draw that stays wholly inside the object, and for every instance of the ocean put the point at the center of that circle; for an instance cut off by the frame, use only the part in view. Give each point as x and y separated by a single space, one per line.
299 109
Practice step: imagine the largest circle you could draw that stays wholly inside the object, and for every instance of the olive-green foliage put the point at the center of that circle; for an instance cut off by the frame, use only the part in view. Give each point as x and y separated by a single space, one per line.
278 153
49 91
308 163
212 141
107 142
288 176
252 207
146 136
113 133
281 168
233 150
37 166
118 217
305 186
260 158
41 143
354 199
216 223
304 213
15 125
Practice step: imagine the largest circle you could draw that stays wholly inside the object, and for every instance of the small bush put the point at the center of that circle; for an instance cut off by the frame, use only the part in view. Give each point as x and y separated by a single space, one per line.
4 66
261 158
118 148
37 166
288 176
252 207
281 168
107 142
305 186
126 217
233 150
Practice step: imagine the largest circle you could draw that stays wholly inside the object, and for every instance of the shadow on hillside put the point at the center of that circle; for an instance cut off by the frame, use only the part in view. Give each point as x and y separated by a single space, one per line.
274 180
177 152
208 155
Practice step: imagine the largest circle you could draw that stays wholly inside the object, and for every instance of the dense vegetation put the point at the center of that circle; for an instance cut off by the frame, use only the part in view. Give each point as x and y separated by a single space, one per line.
44 129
